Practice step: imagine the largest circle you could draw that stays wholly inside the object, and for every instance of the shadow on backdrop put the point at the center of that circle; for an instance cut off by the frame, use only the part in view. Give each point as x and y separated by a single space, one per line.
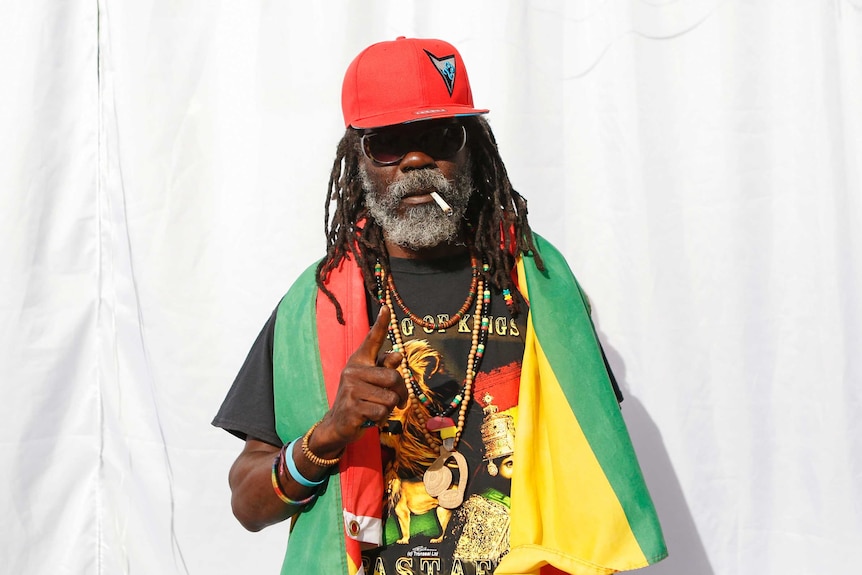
687 555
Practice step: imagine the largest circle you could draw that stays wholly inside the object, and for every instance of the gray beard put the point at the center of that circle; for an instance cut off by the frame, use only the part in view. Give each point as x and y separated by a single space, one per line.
423 226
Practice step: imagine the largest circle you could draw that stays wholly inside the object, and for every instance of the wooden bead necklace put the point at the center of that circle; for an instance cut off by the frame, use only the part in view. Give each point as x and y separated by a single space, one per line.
461 400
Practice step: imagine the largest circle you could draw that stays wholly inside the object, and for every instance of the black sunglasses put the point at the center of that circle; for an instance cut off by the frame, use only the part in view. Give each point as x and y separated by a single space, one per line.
389 145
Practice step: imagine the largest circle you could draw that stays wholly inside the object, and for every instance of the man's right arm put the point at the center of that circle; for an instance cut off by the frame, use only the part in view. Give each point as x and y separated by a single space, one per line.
369 388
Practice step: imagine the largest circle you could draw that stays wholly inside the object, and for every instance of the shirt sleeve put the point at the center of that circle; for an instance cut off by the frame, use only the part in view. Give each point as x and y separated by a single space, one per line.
248 408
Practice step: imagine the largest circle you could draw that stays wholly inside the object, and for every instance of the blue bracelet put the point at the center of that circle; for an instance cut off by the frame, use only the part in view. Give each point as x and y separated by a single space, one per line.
294 472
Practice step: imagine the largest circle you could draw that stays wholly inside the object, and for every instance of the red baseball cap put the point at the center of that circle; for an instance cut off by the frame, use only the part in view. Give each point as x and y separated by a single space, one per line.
406 80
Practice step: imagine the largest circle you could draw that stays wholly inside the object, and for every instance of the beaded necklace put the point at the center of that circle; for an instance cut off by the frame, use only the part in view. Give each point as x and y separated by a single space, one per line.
471 296
441 420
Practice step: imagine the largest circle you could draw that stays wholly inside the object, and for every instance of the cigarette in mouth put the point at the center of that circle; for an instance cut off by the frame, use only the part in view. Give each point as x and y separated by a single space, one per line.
442 203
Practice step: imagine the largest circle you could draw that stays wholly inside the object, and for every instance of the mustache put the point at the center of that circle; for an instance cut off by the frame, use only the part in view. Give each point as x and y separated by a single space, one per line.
427 180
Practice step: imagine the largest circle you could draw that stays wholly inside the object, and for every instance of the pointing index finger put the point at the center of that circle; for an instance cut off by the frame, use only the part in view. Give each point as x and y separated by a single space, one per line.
366 353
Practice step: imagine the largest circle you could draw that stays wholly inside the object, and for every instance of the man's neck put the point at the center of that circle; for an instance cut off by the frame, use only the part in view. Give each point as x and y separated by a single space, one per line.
439 251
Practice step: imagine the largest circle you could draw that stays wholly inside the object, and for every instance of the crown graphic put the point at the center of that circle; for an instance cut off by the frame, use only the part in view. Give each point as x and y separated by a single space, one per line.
498 433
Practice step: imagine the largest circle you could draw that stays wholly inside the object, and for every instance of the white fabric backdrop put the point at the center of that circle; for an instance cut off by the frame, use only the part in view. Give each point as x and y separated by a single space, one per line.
162 179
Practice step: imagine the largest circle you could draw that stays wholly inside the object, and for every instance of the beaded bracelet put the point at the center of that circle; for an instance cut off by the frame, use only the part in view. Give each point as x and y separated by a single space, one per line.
287 459
276 486
318 461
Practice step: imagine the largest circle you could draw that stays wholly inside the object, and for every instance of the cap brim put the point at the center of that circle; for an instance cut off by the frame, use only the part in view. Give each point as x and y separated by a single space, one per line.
414 115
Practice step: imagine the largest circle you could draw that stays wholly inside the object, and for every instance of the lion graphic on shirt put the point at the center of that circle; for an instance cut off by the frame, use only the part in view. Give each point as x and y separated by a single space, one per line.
406 491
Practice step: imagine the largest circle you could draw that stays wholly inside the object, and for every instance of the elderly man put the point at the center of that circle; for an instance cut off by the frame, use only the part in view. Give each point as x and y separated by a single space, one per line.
430 397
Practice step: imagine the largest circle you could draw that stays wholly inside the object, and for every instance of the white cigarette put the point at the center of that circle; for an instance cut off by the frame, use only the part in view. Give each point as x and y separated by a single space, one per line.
442 203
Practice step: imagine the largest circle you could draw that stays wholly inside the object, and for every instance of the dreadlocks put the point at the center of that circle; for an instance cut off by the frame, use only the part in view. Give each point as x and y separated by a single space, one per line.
496 214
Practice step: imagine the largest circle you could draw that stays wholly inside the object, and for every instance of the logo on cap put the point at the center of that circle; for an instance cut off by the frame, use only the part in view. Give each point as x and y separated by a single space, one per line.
446 67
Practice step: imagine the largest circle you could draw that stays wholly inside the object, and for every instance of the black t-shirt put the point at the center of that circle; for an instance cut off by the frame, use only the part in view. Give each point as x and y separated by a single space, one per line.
419 535
248 409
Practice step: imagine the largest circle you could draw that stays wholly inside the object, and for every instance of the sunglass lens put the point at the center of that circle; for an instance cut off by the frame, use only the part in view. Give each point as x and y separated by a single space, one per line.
383 148
443 141
440 142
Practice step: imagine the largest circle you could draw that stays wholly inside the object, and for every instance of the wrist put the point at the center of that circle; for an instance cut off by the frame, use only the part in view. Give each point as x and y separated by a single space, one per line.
309 476
317 450
323 441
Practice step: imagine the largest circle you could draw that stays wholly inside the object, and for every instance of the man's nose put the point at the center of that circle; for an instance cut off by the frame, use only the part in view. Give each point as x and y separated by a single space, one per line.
417 160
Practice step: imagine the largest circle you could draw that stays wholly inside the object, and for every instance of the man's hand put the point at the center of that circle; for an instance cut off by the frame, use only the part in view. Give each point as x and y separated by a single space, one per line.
370 388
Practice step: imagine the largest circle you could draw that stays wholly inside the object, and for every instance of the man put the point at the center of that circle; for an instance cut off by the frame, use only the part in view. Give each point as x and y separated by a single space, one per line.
431 397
